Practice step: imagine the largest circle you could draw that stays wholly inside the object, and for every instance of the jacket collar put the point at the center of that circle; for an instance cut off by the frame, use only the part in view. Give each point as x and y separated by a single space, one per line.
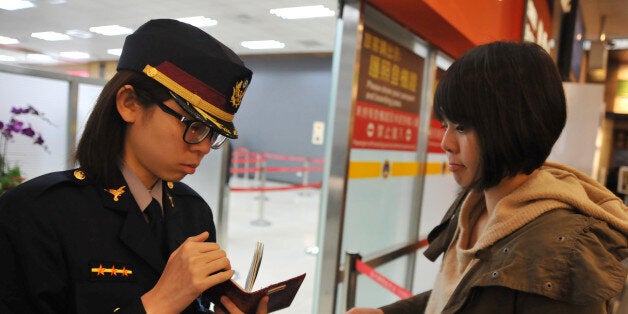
135 232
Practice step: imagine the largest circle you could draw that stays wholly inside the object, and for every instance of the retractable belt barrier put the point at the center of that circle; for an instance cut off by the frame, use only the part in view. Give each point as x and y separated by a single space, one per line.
245 162
354 265
382 280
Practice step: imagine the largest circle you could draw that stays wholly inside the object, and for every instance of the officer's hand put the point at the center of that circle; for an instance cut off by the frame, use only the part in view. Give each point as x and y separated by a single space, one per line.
231 308
192 268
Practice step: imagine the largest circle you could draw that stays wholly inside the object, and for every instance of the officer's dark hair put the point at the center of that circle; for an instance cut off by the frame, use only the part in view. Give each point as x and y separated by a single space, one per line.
512 95
99 151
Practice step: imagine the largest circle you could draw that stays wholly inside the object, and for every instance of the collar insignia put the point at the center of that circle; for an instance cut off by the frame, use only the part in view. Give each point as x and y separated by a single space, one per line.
116 192
238 93
109 271
171 200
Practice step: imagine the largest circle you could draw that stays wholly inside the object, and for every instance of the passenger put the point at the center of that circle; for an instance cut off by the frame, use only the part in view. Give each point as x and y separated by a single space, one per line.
121 233
525 235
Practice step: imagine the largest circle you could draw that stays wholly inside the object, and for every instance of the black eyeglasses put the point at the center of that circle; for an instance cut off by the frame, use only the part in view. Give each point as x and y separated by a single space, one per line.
195 130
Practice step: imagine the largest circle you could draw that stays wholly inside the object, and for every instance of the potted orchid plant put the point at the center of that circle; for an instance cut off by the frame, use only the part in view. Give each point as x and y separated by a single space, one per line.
10 175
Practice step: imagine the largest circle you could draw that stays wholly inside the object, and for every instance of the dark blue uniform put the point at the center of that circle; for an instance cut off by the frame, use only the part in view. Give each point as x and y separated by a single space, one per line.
72 245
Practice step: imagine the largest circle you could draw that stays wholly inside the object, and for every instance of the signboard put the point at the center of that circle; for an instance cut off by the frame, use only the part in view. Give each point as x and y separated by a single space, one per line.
387 104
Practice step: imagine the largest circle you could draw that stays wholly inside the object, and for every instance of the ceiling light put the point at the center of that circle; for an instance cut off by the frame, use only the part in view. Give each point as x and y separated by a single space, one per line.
198 21
77 55
305 12
263 44
111 30
15 4
77 33
115 52
50 36
39 58
5 58
8 40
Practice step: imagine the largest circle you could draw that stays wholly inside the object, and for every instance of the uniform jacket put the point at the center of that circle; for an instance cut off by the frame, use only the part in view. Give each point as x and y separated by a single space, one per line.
69 244
563 261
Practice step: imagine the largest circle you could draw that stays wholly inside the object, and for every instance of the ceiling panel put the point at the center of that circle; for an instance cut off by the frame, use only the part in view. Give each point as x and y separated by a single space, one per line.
238 20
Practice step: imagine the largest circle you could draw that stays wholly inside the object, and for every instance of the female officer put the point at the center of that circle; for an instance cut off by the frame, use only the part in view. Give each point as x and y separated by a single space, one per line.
526 235
120 233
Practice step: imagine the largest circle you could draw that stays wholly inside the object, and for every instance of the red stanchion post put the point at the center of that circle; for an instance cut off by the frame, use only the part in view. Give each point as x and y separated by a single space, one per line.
260 221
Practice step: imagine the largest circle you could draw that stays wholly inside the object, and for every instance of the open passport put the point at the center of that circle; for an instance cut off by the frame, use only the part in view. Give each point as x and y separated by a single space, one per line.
280 294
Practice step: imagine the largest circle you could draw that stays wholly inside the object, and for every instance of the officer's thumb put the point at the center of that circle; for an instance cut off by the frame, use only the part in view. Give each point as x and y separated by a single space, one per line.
201 237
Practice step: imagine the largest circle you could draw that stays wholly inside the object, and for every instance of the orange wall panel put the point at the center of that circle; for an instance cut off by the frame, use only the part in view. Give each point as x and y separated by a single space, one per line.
454 26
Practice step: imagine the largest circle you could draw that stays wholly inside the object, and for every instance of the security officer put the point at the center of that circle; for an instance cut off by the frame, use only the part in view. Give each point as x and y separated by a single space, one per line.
121 233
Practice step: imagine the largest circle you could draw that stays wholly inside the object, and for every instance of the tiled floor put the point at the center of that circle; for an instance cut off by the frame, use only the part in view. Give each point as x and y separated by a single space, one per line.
291 232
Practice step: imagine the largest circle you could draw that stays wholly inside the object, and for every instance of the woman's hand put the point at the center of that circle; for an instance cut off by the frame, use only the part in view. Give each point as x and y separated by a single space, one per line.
192 268
231 308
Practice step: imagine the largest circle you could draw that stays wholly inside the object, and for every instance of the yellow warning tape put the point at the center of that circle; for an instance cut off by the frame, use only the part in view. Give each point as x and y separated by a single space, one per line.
373 169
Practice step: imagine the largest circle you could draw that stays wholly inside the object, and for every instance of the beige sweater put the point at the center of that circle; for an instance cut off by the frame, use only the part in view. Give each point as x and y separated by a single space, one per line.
554 186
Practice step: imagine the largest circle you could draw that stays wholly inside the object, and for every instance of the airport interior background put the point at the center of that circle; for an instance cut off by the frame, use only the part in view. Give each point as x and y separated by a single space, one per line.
317 174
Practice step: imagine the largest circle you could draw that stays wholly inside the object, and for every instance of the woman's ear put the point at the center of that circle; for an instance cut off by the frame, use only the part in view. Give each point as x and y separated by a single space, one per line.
127 103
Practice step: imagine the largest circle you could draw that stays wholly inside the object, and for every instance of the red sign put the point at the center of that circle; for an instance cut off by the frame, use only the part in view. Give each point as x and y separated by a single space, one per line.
378 127
436 136
387 105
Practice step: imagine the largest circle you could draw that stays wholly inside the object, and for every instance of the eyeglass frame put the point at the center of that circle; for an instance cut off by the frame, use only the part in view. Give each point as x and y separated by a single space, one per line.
216 139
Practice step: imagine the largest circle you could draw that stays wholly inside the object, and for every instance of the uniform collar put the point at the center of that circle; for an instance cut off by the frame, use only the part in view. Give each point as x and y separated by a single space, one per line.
142 196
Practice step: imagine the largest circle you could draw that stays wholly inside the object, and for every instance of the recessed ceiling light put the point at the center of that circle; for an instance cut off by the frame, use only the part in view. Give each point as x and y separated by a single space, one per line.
305 12
198 21
8 40
11 5
39 58
111 30
5 58
115 52
77 55
50 36
77 33
263 44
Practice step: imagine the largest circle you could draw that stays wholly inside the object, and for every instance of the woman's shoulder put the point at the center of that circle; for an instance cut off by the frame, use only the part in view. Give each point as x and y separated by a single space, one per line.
564 255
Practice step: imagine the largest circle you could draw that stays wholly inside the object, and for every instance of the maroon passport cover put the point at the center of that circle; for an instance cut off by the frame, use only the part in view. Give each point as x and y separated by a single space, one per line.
280 294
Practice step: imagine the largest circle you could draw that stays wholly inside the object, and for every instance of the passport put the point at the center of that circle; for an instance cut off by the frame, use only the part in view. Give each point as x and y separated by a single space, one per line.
280 294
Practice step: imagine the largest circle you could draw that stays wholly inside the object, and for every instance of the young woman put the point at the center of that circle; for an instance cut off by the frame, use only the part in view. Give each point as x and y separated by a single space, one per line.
525 235
121 234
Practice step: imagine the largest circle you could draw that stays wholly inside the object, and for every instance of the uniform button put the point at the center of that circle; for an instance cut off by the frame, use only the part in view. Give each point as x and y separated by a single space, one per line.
561 238
495 274
548 285
506 250
78 174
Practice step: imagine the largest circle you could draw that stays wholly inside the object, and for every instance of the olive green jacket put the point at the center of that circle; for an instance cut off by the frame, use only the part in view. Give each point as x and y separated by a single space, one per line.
561 262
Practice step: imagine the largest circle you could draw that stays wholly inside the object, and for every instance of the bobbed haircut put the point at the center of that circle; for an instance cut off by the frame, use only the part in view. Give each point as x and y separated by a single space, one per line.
99 151
512 96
